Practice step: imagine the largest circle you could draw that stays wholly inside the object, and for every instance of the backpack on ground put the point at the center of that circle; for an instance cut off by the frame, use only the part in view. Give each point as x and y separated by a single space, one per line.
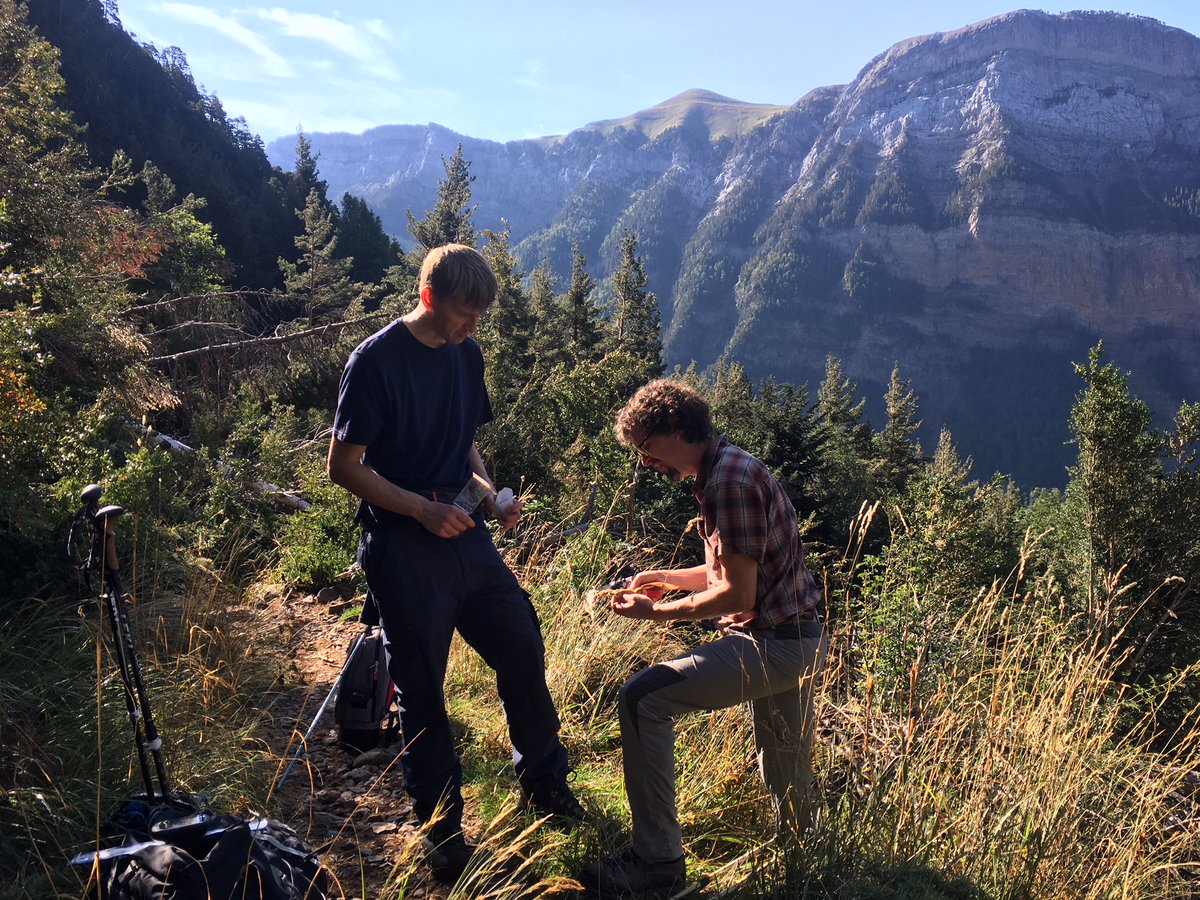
198 855
166 844
363 709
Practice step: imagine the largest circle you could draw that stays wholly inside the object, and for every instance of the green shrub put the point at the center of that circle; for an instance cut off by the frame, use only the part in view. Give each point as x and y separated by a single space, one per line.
318 544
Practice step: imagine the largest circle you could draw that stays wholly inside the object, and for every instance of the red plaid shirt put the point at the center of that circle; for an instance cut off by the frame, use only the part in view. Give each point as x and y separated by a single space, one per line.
743 508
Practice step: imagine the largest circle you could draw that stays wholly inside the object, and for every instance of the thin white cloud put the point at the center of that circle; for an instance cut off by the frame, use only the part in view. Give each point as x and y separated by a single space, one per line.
353 40
533 75
379 28
273 62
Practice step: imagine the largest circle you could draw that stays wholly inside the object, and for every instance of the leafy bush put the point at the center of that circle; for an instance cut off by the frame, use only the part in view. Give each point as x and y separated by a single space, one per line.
318 544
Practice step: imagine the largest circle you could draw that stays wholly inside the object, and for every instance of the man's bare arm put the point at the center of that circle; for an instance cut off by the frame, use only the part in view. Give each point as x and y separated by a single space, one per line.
508 517
735 593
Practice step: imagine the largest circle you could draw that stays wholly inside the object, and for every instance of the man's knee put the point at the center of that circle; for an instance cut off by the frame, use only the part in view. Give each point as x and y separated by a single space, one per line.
637 694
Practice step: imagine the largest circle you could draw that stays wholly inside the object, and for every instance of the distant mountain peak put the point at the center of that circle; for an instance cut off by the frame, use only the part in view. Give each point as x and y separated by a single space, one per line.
722 116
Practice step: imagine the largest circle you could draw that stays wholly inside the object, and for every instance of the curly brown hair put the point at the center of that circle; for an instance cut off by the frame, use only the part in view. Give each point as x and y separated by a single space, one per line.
665 406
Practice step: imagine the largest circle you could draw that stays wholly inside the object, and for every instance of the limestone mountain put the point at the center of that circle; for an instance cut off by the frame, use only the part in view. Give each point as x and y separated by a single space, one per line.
979 205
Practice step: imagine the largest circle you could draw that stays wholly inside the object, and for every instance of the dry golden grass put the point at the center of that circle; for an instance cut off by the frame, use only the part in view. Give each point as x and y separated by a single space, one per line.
1012 774
1010 769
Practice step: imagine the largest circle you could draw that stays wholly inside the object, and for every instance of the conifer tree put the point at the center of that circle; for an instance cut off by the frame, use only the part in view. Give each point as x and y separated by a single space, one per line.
1111 494
843 482
732 400
548 341
449 222
635 327
505 335
506 332
896 455
319 280
793 441
361 238
837 407
583 325
304 178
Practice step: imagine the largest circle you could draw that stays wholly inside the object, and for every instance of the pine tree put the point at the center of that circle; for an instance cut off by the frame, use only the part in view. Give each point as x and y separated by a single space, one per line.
583 325
840 412
362 239
1112 490
732 400
449 222
304 178
896 455
842 483
319 280
635 327
793 441
548 341
506 332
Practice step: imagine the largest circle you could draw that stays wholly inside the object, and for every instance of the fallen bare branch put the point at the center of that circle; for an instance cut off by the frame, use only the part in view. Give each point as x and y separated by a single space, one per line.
270 340
172 301
286 498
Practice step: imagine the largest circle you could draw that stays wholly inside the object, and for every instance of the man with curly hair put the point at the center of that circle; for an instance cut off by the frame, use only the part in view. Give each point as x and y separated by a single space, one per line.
755 586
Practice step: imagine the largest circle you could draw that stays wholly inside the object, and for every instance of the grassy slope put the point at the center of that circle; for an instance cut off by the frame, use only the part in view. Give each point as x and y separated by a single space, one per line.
723 116
998 771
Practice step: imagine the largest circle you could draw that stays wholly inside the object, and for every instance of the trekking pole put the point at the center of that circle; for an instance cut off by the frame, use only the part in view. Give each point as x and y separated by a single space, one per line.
321 711
101 522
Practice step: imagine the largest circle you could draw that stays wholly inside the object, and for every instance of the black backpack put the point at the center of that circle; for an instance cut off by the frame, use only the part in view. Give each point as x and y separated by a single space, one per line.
363 709
173 851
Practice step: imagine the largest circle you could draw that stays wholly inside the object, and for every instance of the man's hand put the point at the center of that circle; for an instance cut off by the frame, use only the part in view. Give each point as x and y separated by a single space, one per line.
654 580
507 516
632 605
444 520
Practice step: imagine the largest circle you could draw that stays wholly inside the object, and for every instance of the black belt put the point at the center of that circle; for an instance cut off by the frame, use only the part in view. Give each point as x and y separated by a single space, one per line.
369 515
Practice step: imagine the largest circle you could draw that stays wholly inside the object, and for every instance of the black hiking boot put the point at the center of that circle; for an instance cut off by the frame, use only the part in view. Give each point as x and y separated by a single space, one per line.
552 796
448 855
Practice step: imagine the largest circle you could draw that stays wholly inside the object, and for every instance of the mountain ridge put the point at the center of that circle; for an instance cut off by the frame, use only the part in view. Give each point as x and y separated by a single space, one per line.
979 205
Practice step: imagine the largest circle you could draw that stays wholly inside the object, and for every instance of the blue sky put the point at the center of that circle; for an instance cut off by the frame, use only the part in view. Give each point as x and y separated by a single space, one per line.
526 68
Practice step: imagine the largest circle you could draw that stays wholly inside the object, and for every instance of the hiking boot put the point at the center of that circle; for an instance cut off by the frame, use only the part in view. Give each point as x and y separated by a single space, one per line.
448 856
552 796
628 875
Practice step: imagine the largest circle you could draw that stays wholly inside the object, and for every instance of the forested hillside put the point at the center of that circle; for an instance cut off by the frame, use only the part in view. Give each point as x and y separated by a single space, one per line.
1011 703
980 206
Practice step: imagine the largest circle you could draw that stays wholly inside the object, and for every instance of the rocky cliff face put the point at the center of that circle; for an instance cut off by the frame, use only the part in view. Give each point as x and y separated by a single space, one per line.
980 206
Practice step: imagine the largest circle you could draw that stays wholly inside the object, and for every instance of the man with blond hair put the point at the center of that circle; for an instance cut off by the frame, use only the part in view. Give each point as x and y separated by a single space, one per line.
754 584
411 397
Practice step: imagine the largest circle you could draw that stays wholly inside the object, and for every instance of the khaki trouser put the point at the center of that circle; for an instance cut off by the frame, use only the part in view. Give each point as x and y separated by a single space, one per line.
776 675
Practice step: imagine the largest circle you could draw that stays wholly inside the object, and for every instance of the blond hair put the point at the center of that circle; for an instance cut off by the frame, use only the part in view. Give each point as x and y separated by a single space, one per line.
456 271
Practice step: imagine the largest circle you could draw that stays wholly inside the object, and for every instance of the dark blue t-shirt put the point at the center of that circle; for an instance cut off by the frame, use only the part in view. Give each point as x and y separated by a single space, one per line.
414 407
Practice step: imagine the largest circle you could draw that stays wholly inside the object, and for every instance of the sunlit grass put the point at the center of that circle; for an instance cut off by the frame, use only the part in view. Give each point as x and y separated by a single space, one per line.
1011 774
1011 769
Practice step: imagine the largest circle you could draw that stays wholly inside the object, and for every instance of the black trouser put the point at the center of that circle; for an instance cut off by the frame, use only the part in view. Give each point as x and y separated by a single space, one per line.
426 587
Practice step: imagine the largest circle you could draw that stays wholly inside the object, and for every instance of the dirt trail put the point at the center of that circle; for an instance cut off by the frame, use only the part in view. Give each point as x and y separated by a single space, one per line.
354 810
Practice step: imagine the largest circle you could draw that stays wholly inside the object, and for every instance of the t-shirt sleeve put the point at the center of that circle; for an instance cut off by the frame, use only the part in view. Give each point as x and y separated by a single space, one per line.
741 517
359 415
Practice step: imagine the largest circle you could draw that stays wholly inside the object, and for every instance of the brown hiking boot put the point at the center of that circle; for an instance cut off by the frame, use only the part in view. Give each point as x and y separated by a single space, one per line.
628 875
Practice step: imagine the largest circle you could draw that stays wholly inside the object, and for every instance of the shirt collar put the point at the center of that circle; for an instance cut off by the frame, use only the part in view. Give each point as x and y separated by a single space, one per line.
708 460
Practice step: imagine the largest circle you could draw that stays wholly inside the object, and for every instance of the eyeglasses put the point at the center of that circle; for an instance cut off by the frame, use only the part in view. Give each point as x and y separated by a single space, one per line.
644 456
